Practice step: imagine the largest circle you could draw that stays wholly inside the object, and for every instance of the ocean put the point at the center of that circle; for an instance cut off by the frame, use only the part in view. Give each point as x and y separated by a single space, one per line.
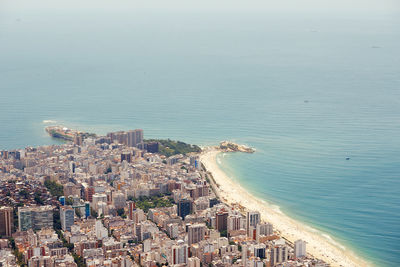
305 90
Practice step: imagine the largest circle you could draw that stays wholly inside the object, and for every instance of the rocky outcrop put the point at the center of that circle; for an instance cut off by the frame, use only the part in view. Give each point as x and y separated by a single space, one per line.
228 146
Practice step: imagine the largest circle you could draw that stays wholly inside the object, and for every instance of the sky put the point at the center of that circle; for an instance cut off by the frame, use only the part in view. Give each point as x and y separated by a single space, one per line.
360 7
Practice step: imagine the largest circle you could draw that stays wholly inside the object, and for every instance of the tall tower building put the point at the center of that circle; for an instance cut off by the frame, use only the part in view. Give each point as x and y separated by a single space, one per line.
131 138
126 156
244 255
222 221
118 200
180 253
259 251
78 140
24 219
194 262
253 218
6 221
196 233
131 208
278 254
139 136
233 222
134 137
300 248
184 207
66 217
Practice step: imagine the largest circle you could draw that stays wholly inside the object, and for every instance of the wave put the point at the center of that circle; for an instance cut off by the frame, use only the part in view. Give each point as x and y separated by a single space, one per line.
330 240
49 121
277 209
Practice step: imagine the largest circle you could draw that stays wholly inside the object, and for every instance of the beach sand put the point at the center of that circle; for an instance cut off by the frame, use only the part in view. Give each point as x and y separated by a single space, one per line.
319 246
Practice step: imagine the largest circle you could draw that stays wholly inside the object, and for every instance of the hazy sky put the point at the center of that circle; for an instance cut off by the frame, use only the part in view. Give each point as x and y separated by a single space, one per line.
365 7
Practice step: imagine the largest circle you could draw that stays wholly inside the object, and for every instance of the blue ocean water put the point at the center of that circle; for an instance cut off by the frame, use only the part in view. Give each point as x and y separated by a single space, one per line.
306 90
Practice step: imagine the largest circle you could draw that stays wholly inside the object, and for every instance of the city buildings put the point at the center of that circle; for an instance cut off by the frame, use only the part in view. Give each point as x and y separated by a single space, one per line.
196 233
180 253
147 209
300 248
222 221
278 254
253 218
35 217
259 251
184 207
67 217
6 221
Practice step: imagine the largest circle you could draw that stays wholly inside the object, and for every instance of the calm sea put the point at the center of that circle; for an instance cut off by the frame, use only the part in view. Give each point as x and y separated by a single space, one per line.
306 91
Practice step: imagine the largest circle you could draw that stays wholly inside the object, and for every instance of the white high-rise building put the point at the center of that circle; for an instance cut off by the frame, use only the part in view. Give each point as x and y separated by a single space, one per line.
264 229
256 263
300 248
259 251
119 200
146 245
180 253
233 222
253 218
193 262
196 233
278 254
244 255
97 198
101 231
67 215
134 137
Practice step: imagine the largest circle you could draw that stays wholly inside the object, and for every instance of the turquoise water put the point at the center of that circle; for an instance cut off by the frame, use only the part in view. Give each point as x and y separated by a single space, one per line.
306 91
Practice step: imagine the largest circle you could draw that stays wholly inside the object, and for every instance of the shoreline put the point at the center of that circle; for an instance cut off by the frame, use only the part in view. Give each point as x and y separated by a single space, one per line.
290 229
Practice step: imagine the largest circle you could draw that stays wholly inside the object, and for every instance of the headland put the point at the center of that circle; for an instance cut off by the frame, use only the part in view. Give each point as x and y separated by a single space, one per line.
66 133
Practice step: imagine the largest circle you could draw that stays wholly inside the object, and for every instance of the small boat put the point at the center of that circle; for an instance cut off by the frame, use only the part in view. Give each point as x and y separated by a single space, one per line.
347 158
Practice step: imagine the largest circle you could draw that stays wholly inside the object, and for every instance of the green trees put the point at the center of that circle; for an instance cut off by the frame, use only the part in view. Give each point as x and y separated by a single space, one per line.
69 201
146 203
93 213
23 193
38 198
224 233
56 219
54 188
120 212
78 213
169 147
18 255
78 259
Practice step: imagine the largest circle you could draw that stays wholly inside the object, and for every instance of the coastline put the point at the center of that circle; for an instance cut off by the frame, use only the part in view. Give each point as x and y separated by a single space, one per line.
233 194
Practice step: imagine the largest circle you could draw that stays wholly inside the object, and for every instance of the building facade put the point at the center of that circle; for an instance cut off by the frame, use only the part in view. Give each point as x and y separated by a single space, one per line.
67 218
6 221
35 218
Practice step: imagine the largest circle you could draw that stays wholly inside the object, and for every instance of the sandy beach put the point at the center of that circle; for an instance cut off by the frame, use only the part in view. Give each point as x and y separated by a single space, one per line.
317 245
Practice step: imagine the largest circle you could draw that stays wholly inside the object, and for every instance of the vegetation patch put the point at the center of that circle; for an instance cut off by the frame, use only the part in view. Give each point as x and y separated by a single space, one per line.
169 147
55 189
146 203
